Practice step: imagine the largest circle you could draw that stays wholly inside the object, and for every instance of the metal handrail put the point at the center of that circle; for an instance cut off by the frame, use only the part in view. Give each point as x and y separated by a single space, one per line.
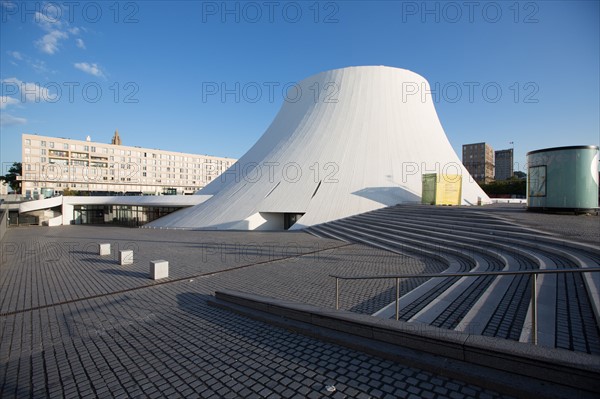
397 277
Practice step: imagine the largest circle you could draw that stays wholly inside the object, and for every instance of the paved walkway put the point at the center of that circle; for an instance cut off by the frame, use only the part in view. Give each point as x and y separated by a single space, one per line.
74 324
580 228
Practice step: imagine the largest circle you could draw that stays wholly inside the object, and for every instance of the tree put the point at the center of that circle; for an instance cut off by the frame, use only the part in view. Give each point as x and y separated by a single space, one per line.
505 187
11 177
520 175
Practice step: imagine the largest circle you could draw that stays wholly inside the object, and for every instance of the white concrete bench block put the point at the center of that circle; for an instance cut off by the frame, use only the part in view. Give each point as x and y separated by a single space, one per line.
104 249
126 256
159 269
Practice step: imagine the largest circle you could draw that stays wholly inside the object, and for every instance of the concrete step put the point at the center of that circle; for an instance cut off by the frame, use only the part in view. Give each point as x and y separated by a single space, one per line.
497 306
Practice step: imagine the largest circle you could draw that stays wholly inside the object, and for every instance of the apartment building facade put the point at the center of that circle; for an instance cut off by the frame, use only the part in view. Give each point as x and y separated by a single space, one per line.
478 158
52 165
504 164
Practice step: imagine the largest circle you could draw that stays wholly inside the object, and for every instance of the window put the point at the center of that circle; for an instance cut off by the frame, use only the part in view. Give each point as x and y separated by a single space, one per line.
43 151
27 142
65 146
43 143
93 149
537 181
86 148
27 150
43 159
52 144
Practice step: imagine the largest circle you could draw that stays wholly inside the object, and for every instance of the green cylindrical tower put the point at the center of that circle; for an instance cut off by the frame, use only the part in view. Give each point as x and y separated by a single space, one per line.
563 179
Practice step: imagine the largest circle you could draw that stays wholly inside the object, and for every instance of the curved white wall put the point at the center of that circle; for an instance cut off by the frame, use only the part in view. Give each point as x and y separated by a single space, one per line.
364 142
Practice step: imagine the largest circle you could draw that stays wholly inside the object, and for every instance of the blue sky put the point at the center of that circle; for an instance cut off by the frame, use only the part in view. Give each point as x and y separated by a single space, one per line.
526 72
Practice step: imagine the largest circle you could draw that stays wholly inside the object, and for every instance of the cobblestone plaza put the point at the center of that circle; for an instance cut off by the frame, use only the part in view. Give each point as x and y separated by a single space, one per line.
75 324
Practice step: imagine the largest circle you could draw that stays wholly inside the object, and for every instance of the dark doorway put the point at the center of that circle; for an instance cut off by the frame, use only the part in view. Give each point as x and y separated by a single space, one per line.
290 218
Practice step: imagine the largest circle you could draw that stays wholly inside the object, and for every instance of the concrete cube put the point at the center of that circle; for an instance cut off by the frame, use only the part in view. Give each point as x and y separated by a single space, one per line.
126 256
159 269
104 249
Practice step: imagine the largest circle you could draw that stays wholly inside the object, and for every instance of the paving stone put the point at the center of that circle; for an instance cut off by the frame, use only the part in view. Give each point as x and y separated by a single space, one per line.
132 337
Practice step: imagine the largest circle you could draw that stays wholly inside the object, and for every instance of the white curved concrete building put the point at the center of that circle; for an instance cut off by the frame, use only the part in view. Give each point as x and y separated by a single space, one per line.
345 141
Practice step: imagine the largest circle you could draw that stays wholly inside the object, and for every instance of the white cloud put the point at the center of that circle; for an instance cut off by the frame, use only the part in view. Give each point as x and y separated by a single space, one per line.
9 120
5 101
16 55
57 31
24 92
30 92
92 69
47 22
49 42
39 66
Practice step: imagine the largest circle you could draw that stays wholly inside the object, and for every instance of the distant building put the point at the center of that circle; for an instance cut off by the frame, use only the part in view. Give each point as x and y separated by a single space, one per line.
52 165
478 158
504 164
3 187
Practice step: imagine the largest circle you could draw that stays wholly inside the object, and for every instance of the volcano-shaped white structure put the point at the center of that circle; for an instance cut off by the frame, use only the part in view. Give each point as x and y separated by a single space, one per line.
345 141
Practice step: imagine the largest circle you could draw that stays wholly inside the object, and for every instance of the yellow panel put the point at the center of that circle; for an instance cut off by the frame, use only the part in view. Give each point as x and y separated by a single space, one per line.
441 189
449 190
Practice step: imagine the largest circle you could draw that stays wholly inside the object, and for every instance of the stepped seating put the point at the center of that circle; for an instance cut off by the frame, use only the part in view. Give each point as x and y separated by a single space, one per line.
469 239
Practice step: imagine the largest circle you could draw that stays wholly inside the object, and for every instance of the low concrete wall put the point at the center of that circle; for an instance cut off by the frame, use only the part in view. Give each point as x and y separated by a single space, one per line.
508 200
511 367
55 221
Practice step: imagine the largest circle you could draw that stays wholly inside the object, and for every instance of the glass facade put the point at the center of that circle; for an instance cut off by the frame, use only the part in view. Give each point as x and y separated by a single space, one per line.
122 215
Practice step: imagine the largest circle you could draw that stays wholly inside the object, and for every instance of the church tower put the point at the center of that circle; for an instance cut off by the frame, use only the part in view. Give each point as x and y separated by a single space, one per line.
116 140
